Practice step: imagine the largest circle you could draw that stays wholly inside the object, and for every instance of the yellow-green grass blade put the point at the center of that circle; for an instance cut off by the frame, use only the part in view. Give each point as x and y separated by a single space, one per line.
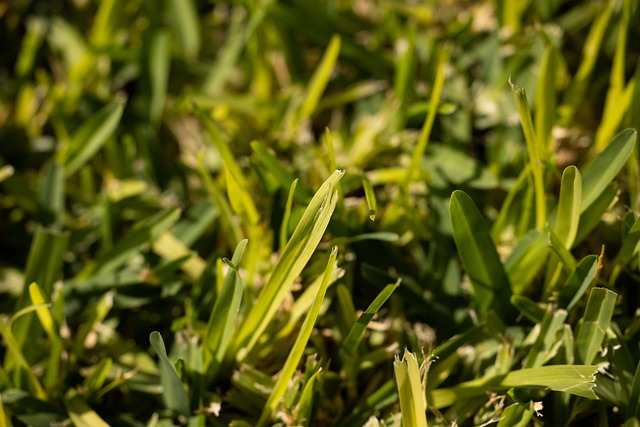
516 415
578 380
173 393
370 196
594 324
19 361
81 413
356 333
536 152
546 99
96 379
223 316
618 97
569 206
410 391
630 247
284 227
170 248
320 79
590 52
43 313
412 172
87 140
491 288
295 355
296 254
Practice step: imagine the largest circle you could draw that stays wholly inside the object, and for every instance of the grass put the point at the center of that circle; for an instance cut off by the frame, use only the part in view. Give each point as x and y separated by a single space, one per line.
319 213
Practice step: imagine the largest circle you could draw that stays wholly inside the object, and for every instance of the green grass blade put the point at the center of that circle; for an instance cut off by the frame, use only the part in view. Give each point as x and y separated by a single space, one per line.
81 414
295 354
98 375
599 173
17 356
526 260
546 99
478 254
569 206
296 254
356 333
370 196
284 227
412 172
630 247
320 79
633 409
279 171
527 307
410 392
516 415
578 380
551 326
223 316
536 153
174 395
594 324
564 256
186 25
91 136
578 282
170 248
43 313
52 195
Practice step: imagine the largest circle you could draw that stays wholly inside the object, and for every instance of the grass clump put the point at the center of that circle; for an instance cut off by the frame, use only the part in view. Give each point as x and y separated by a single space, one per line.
243 213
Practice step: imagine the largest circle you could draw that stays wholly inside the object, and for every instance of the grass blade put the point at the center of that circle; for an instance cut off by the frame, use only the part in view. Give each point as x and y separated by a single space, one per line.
223 316
594 324
298 347
91 136
294 257
578 282
174 395
410 392
569 206
491 288
356 333
599 173
81 414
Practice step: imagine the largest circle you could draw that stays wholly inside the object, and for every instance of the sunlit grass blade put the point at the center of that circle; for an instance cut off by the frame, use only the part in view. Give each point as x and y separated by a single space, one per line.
96 379
87 140
590 52
562 253
546 99
370 196
174 395
516 415
43 313
491 288
298 347
594 324
320 79
81 414
412 171
578 380
536 152
284 227
294 257
222 319
356 333
549 329
410 391
569 206
171 248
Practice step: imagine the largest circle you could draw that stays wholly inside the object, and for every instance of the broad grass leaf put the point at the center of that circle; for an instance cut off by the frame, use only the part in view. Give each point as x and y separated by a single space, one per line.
174 394
81 413
491 288
594 324
604 168
526 260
